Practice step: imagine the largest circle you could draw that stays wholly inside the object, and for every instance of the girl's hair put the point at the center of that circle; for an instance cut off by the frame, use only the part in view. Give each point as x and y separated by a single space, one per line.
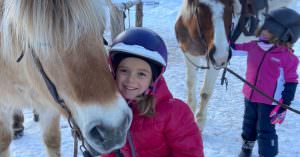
274 40
146 105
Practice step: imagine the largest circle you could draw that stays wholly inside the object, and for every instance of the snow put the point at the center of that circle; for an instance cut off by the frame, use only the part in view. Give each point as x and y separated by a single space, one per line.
221 135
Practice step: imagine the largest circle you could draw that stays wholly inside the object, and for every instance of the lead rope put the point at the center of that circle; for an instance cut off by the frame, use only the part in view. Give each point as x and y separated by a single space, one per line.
75 151
223 78
130 141
260 92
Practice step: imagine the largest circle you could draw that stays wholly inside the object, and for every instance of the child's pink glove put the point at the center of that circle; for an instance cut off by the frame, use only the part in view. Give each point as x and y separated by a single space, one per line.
277 115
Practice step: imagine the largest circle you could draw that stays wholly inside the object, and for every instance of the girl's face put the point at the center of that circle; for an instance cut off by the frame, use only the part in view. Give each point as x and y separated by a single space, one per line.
265 35
133 77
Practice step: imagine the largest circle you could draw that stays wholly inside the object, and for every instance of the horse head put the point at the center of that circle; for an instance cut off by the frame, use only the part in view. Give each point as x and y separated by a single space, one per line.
65 38
202 28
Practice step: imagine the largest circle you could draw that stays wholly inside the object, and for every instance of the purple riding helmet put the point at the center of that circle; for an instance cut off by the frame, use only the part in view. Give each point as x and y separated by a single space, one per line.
141 43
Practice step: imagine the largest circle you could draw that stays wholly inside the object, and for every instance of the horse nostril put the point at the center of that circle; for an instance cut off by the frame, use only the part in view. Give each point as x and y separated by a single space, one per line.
97 133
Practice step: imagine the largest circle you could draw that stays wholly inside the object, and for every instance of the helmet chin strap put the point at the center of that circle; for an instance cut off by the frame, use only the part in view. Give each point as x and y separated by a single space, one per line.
152 88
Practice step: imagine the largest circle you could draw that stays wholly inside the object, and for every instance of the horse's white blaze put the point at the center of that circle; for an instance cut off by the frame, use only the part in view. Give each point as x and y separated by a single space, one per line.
217 9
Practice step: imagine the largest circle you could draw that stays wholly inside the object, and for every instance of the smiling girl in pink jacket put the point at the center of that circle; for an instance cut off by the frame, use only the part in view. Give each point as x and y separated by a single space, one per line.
162 125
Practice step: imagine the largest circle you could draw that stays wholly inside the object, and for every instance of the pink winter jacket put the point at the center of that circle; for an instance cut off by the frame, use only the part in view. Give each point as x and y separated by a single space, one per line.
268 70
172 132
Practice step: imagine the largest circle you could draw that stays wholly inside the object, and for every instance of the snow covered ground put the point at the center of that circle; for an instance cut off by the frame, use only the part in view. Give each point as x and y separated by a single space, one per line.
221 136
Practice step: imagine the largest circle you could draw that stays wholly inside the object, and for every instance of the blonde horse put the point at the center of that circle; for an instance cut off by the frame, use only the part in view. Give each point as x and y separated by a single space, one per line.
202 29
59 41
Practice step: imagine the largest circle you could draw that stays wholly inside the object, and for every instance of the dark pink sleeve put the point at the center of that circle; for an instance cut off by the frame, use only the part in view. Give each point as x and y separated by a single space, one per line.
290 70
183 134
243 46
109 155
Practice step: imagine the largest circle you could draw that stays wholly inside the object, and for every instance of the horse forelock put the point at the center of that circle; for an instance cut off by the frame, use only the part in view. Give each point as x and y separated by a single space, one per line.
188 9
50 25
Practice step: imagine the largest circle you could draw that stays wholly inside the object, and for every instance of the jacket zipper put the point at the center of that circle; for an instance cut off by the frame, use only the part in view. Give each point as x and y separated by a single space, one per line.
258 69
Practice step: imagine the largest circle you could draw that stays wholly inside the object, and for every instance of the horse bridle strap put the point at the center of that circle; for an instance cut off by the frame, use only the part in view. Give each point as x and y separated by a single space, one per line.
203 43
53 91
131 145
201 35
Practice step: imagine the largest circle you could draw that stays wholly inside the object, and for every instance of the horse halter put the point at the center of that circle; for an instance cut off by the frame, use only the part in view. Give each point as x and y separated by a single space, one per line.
203 43
76 133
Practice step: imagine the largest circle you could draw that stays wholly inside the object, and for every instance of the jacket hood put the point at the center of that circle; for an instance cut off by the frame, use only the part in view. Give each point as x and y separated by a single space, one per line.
161 91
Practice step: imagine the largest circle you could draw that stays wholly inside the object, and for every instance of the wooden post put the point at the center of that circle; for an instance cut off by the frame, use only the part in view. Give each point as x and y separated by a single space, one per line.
139 15
117 22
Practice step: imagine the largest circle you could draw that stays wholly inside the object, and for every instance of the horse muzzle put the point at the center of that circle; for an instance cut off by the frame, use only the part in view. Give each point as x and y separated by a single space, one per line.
219 61
103 139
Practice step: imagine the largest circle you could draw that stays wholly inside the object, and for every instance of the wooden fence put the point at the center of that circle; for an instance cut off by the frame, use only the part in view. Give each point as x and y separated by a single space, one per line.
117 13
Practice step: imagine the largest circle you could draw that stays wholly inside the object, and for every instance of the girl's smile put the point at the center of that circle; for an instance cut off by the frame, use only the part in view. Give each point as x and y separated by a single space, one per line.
134 77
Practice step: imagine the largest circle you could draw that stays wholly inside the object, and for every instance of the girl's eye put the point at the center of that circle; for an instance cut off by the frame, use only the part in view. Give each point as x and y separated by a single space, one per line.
141 74
122 70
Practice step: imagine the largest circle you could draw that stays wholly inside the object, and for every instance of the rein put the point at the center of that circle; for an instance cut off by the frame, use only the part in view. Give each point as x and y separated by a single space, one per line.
256 89
76 133
130 141
198 66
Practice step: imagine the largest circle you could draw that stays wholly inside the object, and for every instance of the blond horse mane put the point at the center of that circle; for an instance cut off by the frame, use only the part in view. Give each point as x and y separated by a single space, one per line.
32 24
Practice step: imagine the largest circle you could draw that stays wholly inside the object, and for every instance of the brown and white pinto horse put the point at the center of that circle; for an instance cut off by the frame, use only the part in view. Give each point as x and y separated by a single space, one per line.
202 29
63 39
